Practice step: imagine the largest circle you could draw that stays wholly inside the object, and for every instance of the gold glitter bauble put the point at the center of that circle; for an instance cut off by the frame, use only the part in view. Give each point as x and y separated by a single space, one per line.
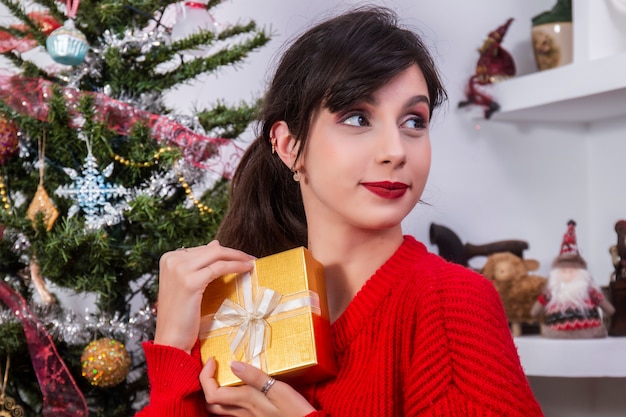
105 362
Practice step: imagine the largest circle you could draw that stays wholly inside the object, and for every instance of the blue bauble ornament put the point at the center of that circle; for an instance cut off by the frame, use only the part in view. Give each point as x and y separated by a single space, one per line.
67 45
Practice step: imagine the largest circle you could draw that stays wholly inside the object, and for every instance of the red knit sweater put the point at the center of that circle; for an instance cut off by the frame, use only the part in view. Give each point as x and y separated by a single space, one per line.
423 337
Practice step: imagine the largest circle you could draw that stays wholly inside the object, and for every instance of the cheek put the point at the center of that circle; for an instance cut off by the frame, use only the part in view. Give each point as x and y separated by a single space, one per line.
323 161
331 156
420 162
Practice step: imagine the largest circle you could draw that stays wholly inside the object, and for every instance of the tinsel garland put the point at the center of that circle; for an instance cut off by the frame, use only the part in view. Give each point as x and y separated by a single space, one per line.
29 96
76 329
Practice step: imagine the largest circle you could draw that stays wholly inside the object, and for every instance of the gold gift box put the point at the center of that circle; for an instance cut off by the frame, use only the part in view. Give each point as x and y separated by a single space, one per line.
293 338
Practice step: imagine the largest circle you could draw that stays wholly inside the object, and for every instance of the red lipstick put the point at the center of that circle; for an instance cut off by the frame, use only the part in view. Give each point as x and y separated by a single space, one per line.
386 189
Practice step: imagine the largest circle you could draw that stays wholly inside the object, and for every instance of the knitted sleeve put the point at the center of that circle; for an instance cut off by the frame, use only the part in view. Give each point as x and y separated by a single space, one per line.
174 384
465 361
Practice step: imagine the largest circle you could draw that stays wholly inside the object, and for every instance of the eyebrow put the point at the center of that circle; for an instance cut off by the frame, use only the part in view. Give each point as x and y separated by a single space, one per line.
410 102
416 100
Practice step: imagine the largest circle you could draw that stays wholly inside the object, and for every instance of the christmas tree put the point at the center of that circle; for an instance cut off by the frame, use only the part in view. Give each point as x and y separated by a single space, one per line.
99 178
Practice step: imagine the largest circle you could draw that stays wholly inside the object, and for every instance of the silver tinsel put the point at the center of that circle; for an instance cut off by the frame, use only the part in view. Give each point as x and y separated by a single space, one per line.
161 185
77 330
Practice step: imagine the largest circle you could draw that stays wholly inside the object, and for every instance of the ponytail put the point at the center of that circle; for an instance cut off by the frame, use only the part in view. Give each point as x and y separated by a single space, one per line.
265 214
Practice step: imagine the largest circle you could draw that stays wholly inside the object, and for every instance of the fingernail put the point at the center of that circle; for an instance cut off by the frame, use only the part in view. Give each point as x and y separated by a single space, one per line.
236 366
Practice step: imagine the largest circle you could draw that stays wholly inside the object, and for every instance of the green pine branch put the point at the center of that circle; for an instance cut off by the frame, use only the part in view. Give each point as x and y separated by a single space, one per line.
229 120
124 78
231 55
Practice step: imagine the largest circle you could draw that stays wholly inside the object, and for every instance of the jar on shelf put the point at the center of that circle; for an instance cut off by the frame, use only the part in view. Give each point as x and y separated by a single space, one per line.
552 36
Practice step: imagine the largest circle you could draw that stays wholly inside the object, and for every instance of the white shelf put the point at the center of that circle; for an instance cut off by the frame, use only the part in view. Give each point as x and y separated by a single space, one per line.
576 358
576 93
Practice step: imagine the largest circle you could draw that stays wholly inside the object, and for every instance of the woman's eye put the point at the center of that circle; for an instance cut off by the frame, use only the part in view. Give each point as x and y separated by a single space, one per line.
356 120
415 122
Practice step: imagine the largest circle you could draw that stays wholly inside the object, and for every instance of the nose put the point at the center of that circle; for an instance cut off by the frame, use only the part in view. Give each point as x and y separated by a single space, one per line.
391 148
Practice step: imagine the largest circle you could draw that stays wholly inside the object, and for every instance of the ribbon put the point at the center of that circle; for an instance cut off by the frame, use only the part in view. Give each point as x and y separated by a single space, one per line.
61 395
71 8
29 96
249 321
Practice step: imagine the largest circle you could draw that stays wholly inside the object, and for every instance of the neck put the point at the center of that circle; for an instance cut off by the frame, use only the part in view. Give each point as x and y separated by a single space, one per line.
350 259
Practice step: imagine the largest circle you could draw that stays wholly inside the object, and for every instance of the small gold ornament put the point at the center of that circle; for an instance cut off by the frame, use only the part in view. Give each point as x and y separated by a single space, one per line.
8 406
105 363
41 201
43 204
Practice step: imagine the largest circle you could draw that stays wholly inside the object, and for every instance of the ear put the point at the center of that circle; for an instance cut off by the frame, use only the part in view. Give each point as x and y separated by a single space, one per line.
286 145
531 264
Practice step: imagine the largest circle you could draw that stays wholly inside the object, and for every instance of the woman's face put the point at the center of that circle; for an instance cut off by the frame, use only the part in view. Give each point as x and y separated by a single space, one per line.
366 167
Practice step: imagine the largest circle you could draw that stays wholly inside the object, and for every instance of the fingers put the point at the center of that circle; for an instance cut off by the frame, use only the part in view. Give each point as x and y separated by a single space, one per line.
207 374
248 400
210 387
206 262
283 399
252 376
234 401
183 277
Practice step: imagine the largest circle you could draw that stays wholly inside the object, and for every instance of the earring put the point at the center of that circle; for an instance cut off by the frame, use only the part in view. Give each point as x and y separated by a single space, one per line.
296 176
273 142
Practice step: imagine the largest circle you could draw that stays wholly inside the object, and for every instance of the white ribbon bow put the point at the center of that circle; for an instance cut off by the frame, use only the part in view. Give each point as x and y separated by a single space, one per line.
252 329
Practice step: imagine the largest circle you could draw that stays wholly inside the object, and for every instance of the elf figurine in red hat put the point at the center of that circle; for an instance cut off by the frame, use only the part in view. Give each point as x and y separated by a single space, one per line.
571 301
494 63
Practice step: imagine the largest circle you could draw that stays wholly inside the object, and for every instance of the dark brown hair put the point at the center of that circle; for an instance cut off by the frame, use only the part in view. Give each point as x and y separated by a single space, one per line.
335 64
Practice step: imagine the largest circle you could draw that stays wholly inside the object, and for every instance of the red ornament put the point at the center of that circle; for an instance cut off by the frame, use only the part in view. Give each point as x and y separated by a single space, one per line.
493 64
8 140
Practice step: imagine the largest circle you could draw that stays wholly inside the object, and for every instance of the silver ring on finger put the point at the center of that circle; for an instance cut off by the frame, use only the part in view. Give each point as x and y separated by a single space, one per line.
268 384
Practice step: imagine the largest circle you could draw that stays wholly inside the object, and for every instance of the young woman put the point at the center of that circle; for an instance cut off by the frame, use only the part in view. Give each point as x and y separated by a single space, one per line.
342 158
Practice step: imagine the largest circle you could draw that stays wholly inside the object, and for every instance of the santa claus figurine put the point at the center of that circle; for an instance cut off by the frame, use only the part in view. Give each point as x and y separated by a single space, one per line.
571 304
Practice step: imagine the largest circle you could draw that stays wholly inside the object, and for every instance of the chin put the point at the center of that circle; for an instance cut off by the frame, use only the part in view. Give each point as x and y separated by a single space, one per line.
383 225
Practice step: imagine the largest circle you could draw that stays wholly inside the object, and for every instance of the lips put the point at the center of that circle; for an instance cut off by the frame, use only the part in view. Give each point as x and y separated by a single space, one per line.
386 189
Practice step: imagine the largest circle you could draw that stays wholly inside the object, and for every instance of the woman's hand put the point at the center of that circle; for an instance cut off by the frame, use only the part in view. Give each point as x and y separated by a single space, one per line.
248 400
183 277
